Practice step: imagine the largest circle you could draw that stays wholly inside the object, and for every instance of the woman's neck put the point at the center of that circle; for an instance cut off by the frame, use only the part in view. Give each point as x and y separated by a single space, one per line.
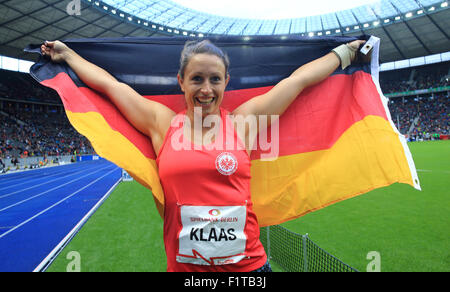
199 126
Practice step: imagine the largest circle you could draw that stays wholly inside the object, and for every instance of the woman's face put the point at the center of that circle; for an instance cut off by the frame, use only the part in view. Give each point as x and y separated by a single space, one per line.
204 83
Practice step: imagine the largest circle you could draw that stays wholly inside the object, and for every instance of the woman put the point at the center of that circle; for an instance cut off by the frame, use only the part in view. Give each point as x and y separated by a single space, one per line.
209 224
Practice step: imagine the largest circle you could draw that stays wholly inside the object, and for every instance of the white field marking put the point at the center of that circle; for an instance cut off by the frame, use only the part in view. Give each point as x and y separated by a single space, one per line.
45 182
436 171
54 205
57 187
39 178
61 245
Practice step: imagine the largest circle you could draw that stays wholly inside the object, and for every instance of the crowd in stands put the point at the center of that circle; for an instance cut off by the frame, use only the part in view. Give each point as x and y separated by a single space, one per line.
33 122
28 134
35 125
415 78
429 115
433 118
421 116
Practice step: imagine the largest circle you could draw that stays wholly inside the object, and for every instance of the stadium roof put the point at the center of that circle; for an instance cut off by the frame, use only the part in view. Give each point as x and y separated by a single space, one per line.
171 14
407 28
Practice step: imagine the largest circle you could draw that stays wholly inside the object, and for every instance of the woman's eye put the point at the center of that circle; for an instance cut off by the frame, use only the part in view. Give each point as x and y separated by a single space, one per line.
197 78
215 79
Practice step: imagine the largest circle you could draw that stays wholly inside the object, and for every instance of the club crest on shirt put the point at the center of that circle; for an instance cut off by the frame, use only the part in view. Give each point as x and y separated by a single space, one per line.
226 163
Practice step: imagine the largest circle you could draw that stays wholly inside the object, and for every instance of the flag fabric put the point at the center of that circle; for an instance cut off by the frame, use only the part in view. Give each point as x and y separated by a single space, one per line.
336 140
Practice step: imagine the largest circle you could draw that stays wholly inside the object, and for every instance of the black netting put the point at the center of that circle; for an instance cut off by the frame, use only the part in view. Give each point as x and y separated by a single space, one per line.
297 253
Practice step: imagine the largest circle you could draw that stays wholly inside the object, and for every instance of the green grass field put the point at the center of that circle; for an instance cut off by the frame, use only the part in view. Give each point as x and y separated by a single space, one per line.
409 228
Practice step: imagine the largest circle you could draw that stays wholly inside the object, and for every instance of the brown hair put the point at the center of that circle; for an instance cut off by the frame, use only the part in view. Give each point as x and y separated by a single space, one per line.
192 48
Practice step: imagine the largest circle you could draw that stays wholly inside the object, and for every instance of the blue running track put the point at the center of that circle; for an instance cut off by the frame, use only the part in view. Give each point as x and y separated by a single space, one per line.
39 208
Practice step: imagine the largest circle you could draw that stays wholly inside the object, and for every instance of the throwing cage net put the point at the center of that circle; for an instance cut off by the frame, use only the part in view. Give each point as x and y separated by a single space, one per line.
297 253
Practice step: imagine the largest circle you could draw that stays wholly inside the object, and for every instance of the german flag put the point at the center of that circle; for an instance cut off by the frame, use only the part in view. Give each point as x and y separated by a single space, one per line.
336 140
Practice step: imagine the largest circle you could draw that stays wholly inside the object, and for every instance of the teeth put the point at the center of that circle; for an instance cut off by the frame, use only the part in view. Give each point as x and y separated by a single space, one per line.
204 101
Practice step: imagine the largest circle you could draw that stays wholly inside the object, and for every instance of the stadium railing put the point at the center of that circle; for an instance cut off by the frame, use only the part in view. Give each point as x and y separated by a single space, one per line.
298 253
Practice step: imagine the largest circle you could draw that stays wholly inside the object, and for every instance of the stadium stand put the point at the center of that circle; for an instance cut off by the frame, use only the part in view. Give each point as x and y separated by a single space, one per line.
33 122
419 100
415 78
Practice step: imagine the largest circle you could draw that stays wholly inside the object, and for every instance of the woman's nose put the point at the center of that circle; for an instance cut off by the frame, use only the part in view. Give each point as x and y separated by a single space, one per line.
206 88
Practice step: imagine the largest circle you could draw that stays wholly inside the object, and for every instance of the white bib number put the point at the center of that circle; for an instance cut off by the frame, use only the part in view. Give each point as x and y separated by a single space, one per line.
212 235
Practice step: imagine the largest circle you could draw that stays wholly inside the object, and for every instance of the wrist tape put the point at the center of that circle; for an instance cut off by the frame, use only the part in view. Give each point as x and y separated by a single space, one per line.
346 54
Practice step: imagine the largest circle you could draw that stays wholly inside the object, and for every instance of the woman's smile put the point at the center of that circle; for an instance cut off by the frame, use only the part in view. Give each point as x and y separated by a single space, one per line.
205 101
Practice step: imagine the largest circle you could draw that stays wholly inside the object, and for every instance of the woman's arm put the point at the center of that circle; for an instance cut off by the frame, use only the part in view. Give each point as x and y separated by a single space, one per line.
149 117
278 99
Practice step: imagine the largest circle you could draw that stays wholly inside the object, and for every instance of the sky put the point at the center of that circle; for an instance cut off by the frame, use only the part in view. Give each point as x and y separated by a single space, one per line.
271 9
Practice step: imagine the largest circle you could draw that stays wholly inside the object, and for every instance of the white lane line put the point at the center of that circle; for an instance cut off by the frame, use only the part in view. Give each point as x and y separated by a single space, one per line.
27 180
54 205
57 187
33 186
8 181
63 243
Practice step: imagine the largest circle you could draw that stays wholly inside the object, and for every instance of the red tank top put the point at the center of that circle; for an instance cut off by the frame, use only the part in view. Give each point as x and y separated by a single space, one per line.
209 224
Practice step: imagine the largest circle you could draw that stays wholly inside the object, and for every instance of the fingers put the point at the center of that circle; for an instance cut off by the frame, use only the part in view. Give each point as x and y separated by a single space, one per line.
46 47
49 44
356 44
45 50
359 42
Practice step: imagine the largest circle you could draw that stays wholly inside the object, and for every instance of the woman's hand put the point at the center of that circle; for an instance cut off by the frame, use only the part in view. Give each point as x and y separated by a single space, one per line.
56 50
354 46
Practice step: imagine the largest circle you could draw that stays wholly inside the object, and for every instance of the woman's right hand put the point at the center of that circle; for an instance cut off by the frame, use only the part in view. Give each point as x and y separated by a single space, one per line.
56 50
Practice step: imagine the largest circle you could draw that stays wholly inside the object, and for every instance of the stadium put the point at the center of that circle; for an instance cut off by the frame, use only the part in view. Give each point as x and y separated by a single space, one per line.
64 206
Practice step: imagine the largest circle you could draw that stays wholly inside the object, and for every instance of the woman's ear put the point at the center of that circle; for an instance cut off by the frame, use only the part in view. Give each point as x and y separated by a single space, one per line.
180 82
227 80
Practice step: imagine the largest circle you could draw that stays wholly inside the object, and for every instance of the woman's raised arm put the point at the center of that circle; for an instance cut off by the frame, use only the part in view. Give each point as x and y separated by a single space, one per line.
149 117
278 99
